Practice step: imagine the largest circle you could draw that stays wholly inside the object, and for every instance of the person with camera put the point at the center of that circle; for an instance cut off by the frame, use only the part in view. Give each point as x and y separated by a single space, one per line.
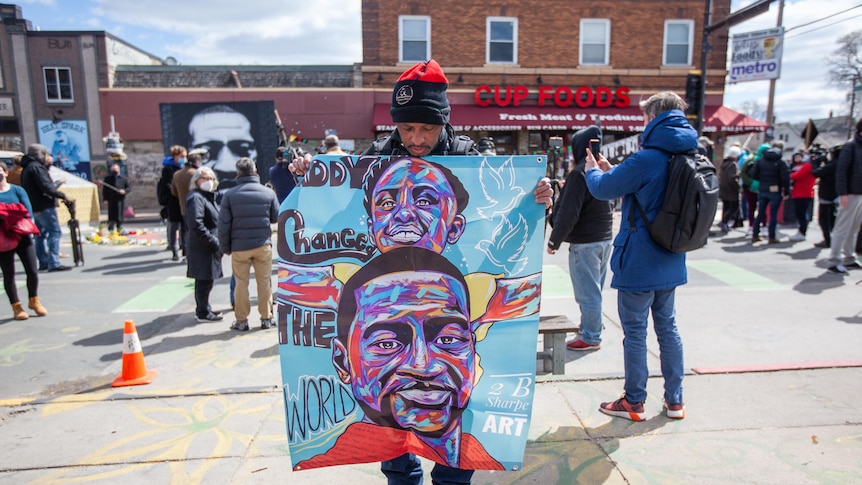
802 192
43 193
586 223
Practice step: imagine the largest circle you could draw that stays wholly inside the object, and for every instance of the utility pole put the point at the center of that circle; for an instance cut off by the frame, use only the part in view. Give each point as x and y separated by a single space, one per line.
705 47
770 108
741 15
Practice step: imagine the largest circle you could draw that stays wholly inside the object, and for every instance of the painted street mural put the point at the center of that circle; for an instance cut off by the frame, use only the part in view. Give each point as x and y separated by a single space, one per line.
408 308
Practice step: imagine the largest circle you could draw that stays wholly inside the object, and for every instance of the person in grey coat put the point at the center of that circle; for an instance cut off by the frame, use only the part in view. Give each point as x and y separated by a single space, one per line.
245 233
202 249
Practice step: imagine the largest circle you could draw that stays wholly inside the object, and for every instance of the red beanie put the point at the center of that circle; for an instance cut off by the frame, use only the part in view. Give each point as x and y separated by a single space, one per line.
420 95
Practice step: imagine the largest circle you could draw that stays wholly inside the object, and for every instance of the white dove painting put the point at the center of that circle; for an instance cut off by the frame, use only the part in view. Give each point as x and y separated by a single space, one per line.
505 249
499 188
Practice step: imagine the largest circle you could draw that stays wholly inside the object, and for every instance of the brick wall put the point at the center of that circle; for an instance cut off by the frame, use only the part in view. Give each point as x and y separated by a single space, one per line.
548 42
221 77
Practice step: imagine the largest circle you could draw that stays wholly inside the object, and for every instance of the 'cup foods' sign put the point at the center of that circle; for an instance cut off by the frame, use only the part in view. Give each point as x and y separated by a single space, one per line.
757 55
562 96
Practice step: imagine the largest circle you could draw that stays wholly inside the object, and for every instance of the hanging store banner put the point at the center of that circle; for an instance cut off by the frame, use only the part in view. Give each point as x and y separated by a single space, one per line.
756 55
408 309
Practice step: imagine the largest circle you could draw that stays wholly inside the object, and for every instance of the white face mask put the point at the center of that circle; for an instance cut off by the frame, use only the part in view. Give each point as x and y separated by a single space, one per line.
207 186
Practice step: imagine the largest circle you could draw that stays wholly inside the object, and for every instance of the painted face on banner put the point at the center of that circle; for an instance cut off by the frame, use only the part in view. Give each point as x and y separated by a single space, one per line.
410 351
414 205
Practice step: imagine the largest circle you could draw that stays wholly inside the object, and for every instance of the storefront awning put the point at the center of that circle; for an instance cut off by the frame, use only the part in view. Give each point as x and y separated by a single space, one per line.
553 118
724 119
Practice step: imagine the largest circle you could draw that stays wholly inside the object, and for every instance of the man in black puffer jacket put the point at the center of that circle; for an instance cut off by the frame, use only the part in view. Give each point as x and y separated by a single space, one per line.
774 176
586 223
244 233
43 193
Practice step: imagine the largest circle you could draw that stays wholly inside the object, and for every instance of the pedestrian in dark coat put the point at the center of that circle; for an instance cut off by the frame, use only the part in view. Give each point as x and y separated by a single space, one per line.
774 176
114 192
728 188
202 252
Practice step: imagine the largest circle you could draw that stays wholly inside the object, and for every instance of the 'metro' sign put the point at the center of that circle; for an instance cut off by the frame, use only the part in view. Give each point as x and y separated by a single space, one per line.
757 55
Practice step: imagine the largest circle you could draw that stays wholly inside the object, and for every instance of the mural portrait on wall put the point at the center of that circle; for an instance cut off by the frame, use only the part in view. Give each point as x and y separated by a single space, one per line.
228 131
69 144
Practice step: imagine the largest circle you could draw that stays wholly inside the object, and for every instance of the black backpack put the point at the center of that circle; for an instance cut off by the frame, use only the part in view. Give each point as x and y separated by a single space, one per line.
690 201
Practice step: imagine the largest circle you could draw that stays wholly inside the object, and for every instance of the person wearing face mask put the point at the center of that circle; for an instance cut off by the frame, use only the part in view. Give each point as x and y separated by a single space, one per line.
802 192
202 250
13 194
114 192
171 203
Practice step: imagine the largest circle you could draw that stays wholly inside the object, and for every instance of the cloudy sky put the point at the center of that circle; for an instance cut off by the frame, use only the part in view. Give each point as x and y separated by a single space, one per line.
297 32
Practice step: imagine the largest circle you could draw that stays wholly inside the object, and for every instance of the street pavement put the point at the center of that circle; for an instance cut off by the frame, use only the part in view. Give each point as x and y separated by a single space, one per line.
772 348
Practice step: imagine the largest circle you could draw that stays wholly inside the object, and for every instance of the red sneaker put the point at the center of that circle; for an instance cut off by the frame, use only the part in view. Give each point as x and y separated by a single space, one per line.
581 345
624 409
674 411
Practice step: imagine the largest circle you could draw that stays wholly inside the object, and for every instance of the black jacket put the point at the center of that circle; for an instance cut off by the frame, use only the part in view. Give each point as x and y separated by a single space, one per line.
772 171
579 217
246 213
728 180
202 252
117 181
848 172
36 180
826 186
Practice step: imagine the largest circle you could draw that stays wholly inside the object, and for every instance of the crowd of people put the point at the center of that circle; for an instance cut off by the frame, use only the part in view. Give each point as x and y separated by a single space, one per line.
204 224
764 189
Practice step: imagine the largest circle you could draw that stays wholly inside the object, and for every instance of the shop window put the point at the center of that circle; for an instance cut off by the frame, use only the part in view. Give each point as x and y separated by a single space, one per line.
502 40
58 84
678 36
595 41
414 38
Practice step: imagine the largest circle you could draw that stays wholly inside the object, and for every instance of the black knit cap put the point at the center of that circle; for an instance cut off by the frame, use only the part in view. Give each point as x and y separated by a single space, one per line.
420 95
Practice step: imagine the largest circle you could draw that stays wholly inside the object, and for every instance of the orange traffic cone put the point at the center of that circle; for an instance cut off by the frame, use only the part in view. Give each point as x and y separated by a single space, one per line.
134 369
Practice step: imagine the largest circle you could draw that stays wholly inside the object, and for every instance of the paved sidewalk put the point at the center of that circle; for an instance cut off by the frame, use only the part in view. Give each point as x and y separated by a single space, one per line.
771 391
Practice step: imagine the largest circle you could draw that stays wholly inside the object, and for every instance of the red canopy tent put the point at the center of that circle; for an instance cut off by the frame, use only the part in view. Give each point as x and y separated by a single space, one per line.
724 119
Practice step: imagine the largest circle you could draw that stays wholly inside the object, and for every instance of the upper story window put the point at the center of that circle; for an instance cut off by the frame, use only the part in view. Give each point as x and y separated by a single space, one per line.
502 40
595 41
678 35
58 84
414 38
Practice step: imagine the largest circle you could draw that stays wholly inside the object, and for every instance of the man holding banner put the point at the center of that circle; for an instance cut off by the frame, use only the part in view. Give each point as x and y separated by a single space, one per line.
420 110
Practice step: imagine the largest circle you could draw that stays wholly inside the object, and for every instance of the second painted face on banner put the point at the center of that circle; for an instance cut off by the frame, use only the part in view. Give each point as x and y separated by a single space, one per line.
410 360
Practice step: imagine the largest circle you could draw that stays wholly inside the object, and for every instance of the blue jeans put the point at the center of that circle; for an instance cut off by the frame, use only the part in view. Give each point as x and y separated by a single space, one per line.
48 241
634 308
407 470
773 200
588 267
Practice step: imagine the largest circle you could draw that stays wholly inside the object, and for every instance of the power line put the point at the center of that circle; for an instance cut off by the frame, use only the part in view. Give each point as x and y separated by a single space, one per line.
822 27
824 18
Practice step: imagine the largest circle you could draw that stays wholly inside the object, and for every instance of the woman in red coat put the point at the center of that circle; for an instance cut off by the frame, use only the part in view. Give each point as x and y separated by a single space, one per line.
802 193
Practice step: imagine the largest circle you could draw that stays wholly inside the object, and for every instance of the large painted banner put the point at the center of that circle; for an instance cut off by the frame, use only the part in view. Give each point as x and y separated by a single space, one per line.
408 309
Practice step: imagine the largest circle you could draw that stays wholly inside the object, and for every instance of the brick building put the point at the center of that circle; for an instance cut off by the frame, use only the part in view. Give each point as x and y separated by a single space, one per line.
520 72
